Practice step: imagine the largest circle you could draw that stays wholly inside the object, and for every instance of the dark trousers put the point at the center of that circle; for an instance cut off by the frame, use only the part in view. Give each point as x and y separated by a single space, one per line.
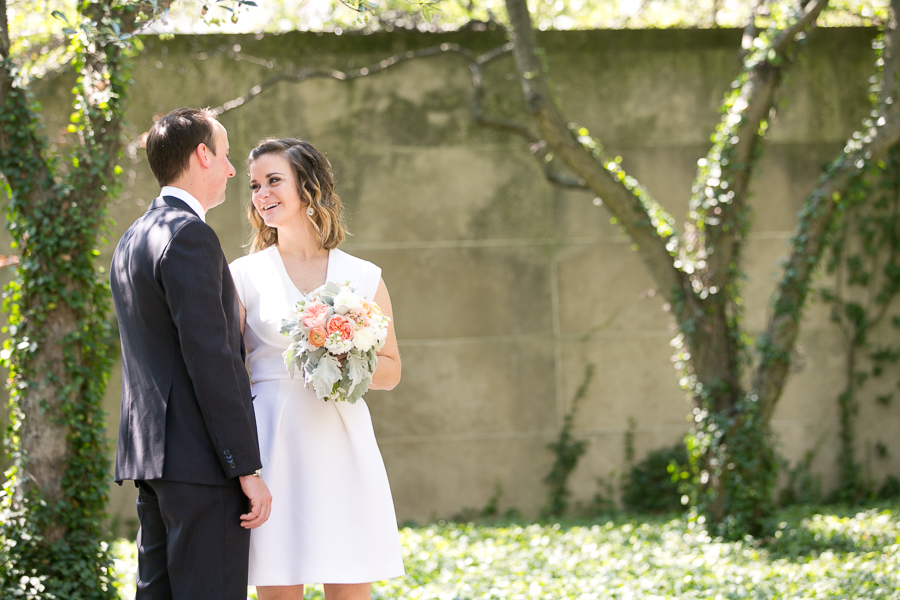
191 545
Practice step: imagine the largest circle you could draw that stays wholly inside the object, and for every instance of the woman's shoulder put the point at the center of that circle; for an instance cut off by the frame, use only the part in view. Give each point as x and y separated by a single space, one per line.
346 267
343 258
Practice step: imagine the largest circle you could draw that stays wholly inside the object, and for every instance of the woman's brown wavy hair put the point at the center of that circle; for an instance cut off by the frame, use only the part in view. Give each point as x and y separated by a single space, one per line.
315 185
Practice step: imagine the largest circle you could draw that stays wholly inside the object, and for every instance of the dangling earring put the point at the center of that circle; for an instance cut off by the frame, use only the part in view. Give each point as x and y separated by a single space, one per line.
310 211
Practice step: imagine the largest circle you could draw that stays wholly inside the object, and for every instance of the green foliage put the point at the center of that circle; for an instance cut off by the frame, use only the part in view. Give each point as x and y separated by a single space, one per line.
652 484
732 470
488 513
56 270
58 306
864 262
603 504
443 15
803 485
567 451
843 533
890 488
732 465
812 554
661 221
36 35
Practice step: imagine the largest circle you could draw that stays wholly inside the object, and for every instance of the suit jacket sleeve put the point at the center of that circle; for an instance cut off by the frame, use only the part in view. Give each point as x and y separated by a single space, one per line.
191 270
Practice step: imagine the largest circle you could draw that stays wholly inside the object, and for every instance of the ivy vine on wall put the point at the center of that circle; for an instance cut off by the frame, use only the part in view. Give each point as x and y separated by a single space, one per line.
864 265
53 504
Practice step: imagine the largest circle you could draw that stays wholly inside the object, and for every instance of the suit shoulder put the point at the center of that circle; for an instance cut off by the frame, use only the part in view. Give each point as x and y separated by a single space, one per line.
151 233
189 222
164 223
193 230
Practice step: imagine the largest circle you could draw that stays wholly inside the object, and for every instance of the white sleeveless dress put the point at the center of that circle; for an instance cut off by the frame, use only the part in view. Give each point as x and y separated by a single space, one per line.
332 517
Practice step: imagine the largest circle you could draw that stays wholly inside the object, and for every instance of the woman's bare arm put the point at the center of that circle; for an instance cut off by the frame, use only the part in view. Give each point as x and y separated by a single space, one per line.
387 375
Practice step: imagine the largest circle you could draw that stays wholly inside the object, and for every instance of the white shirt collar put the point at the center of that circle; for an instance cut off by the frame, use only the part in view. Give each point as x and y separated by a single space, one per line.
185 197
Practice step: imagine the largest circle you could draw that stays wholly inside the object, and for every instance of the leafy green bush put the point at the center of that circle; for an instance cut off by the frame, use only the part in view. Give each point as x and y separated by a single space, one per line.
804 486
649 487
890 489
838 553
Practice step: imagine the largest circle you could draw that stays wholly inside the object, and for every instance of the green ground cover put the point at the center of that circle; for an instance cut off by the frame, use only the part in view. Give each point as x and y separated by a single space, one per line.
824 553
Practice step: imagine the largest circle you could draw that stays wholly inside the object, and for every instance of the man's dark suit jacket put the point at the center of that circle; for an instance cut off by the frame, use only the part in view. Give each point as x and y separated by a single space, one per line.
187 414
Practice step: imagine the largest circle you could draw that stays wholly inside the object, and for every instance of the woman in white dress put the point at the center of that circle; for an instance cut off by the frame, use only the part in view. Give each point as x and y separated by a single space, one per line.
333 519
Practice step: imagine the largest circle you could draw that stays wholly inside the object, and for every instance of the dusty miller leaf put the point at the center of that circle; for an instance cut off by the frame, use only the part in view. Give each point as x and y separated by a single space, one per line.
289 355
325 375
309 361
357 366
358 390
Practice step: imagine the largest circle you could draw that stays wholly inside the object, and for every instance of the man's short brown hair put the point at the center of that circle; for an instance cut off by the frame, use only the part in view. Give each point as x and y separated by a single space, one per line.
174 137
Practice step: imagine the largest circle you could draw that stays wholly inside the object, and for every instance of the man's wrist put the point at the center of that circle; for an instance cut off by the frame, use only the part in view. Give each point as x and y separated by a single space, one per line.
256 473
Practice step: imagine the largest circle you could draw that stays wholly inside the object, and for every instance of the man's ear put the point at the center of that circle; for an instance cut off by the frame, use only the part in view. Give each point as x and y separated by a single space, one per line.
203 154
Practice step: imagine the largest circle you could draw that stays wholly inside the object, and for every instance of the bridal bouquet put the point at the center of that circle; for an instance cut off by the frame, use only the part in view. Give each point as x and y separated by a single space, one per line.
330 322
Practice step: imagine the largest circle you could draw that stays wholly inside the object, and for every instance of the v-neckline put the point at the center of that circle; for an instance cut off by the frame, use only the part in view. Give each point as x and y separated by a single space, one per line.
286 275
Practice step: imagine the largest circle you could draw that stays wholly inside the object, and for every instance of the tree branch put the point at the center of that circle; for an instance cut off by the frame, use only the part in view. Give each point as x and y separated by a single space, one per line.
804 20
4 32
643 219
538 147
751 31
818 212
882 132
135 16
718 207
378 67
890 69
475 64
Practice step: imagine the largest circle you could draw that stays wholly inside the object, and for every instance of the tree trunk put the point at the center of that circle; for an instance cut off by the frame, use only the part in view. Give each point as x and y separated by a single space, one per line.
698 272
630 205
53 521
777 342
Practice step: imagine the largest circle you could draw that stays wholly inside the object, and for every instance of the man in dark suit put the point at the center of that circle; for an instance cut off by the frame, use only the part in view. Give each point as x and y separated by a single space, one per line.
187 432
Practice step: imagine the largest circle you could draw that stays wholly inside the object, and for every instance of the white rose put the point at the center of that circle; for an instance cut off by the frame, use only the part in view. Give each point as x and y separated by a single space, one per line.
364 339
345 301
336 345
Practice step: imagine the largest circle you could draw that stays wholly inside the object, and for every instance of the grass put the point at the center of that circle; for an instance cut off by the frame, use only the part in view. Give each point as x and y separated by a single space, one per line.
813 553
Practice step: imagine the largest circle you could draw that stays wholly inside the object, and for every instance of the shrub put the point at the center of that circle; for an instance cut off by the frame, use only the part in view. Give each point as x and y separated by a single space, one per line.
890 489
650 487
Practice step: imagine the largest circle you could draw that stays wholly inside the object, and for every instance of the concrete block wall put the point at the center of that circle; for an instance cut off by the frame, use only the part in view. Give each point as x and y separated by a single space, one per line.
505 287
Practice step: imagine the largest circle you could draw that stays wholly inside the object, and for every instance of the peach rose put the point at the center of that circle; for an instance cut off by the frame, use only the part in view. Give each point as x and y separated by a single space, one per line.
341 325
314 315
317 337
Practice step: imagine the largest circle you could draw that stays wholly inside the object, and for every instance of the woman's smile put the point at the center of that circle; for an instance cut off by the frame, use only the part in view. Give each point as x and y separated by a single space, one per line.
274 190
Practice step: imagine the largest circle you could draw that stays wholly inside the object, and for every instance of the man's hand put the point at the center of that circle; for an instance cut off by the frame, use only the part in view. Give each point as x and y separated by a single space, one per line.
260 501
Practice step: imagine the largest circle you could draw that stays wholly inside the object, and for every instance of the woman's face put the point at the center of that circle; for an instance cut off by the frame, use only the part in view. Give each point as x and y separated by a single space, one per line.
274 190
